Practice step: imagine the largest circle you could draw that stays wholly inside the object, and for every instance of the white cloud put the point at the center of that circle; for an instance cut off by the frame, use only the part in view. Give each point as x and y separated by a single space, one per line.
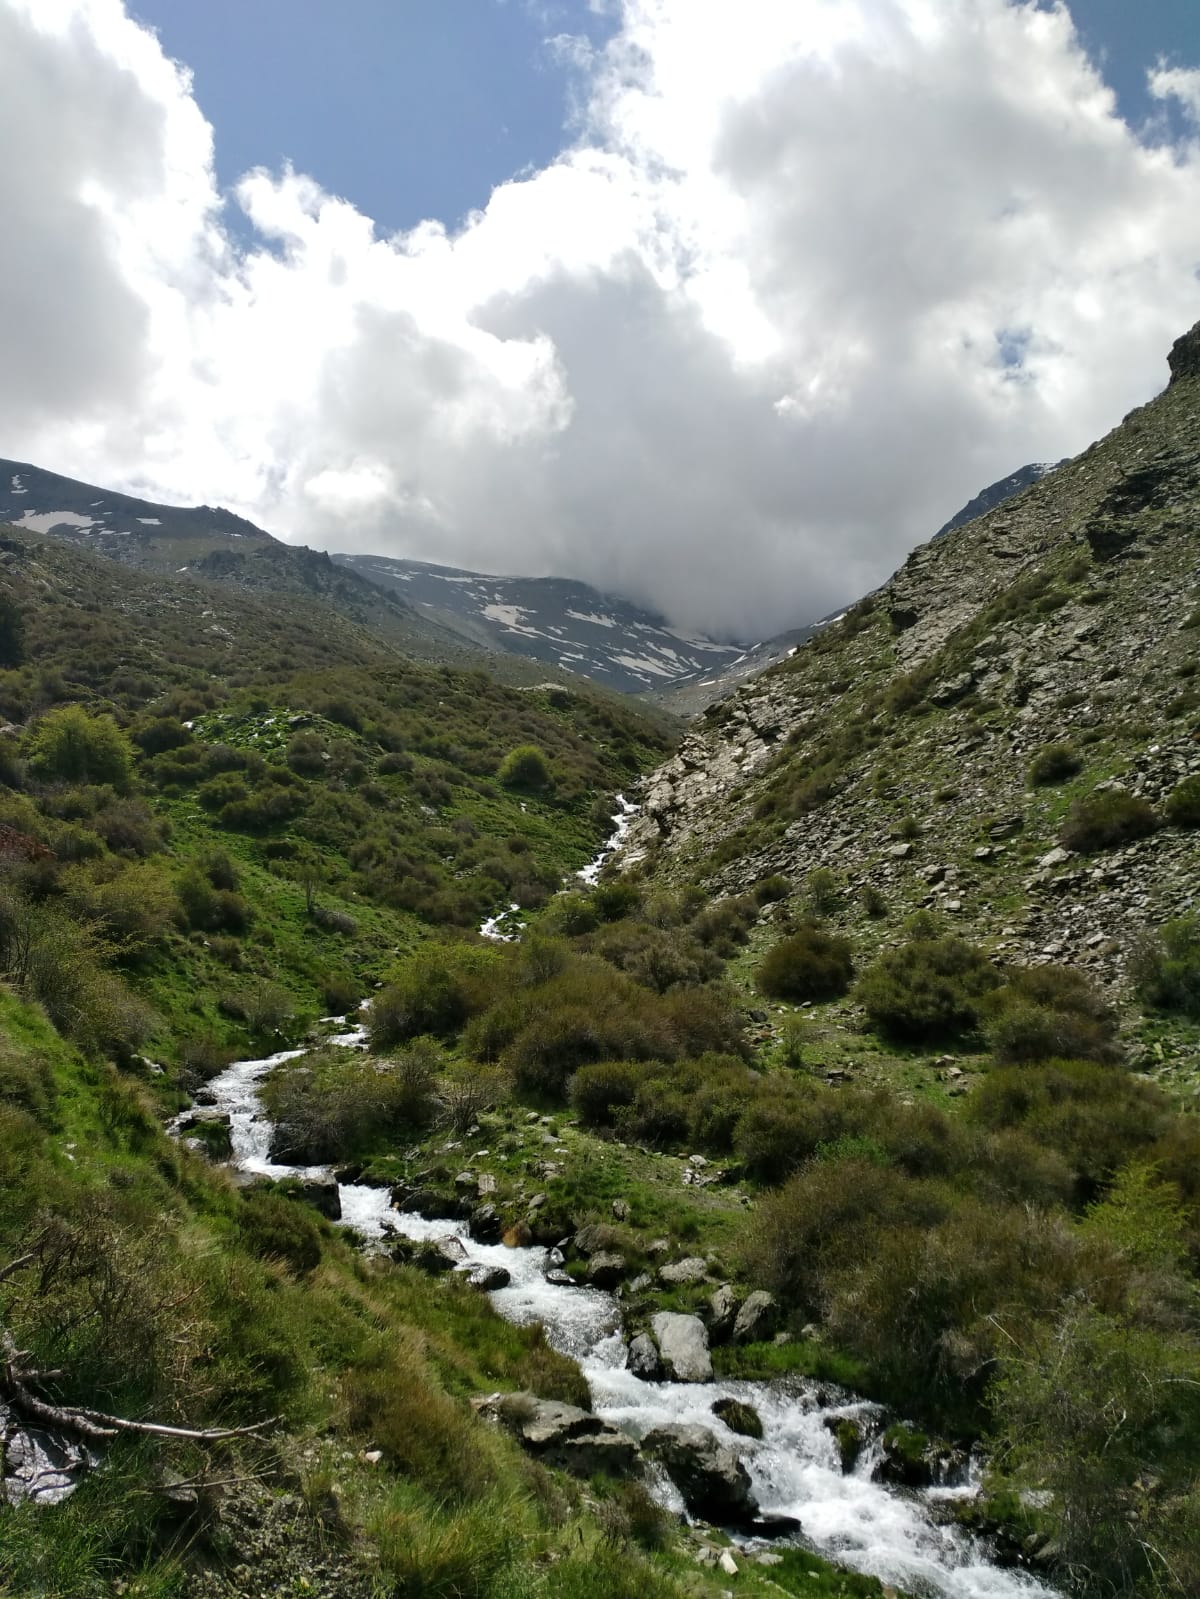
812 275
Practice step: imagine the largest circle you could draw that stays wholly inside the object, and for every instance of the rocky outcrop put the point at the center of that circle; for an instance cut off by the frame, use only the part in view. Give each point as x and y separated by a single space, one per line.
711 1478
1184 359
564 1436
682 1346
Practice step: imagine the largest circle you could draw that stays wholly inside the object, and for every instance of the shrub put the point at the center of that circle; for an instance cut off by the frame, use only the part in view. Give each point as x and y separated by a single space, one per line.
435 993
71 746
822 892
808 965
600 1091
1047 1013
527 768
1105 818
335 1104
929 988
274 1227
1054 764
1166 968
1183 804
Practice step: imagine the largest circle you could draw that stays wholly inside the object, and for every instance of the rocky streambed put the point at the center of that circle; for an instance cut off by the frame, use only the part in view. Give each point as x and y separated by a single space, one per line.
656 1409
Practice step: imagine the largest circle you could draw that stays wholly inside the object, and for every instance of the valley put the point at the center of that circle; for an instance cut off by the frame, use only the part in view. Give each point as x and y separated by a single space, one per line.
426 1092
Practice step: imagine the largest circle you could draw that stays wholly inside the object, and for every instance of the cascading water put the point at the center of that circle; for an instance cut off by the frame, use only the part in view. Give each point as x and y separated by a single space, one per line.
794 1469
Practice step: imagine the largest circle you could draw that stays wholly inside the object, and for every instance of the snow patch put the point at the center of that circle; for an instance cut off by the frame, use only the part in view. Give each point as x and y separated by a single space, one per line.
45 521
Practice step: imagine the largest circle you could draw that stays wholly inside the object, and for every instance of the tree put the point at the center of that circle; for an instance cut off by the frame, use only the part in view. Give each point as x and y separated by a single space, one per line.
71 746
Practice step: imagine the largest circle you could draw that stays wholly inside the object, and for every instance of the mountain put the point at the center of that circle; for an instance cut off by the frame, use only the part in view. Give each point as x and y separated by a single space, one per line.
556 620
897 746
995 494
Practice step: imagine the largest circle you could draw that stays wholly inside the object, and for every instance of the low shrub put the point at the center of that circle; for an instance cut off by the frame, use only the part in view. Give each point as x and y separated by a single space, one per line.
1048 1013
1183 804
1054 764
1166 968
274 1227
927 989
1105 818
810 964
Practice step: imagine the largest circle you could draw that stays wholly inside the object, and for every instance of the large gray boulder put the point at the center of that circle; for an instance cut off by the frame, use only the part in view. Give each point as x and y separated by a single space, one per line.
565 1436
723 1306
642 1359
683 1346
488 1278
322 1194
711 1478
757 1319
605 1269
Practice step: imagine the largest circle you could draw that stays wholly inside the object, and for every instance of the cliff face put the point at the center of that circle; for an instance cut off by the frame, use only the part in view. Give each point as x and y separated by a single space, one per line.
895 748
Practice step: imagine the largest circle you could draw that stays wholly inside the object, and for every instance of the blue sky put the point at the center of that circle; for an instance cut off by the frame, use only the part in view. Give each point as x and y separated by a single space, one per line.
417 108
409 108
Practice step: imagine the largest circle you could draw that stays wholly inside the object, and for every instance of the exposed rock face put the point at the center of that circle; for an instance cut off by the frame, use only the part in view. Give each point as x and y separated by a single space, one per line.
1184 359
711 1478
1062 616
683 1346
565 1436
757 1319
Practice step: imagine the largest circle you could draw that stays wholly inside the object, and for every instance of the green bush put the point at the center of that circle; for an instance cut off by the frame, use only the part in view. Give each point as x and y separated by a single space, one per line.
927 989
810 964
70 746
274 1227
1166 968
435 993
526 768
600 1091
1054 764
1183 804
1106 818
1048 1013
335 1104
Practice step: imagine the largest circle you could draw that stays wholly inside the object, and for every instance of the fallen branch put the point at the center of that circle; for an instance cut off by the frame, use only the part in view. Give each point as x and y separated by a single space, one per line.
95 1425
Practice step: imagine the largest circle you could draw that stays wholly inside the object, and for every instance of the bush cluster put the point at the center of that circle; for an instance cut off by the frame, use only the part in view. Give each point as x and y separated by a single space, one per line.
811 964
1105 819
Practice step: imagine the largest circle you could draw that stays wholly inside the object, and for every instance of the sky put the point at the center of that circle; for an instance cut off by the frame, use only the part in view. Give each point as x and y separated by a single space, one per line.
719 306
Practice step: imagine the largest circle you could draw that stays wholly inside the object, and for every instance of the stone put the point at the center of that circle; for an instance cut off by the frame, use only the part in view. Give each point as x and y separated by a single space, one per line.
486 1184
691 1270
591 1239
711 1478
620 1210
565 1436
605 1270
467 1181
560 1278
642 1358
485 1225
322 1194
451 1248
739 1417
757 1319
900 852
722 1313
488 1278
1057 857
683 1346
727 1563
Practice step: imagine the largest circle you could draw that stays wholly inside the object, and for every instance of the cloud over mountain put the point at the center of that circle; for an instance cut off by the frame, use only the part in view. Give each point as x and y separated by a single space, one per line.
810 275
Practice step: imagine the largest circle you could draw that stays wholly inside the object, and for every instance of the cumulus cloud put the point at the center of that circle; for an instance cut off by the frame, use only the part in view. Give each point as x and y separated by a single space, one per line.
808 278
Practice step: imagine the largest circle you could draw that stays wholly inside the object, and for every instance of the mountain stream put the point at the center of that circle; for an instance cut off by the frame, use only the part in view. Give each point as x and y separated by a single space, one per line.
795 1471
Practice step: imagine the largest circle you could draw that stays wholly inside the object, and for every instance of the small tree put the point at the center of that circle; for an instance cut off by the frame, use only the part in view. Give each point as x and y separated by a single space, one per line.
71 746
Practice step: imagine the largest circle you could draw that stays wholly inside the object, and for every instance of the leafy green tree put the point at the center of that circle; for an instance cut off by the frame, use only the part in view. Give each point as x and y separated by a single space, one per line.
71 746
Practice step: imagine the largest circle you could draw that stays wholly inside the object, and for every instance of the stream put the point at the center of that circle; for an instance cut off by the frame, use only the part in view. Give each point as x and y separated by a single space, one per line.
795 1471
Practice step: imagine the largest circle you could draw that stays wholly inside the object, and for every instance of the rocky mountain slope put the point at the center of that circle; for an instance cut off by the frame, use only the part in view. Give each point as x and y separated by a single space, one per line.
559 621
1005 488
896 747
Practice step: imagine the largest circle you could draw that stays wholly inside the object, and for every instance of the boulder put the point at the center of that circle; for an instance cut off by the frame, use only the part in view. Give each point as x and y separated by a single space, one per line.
757 1319
711 1478
322 1194
605 1270
723 1307
683 1346
642 1360
484 1224
691 1270
739 1417
488 1278
560 1278
591 1240
565 1436
848 1436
